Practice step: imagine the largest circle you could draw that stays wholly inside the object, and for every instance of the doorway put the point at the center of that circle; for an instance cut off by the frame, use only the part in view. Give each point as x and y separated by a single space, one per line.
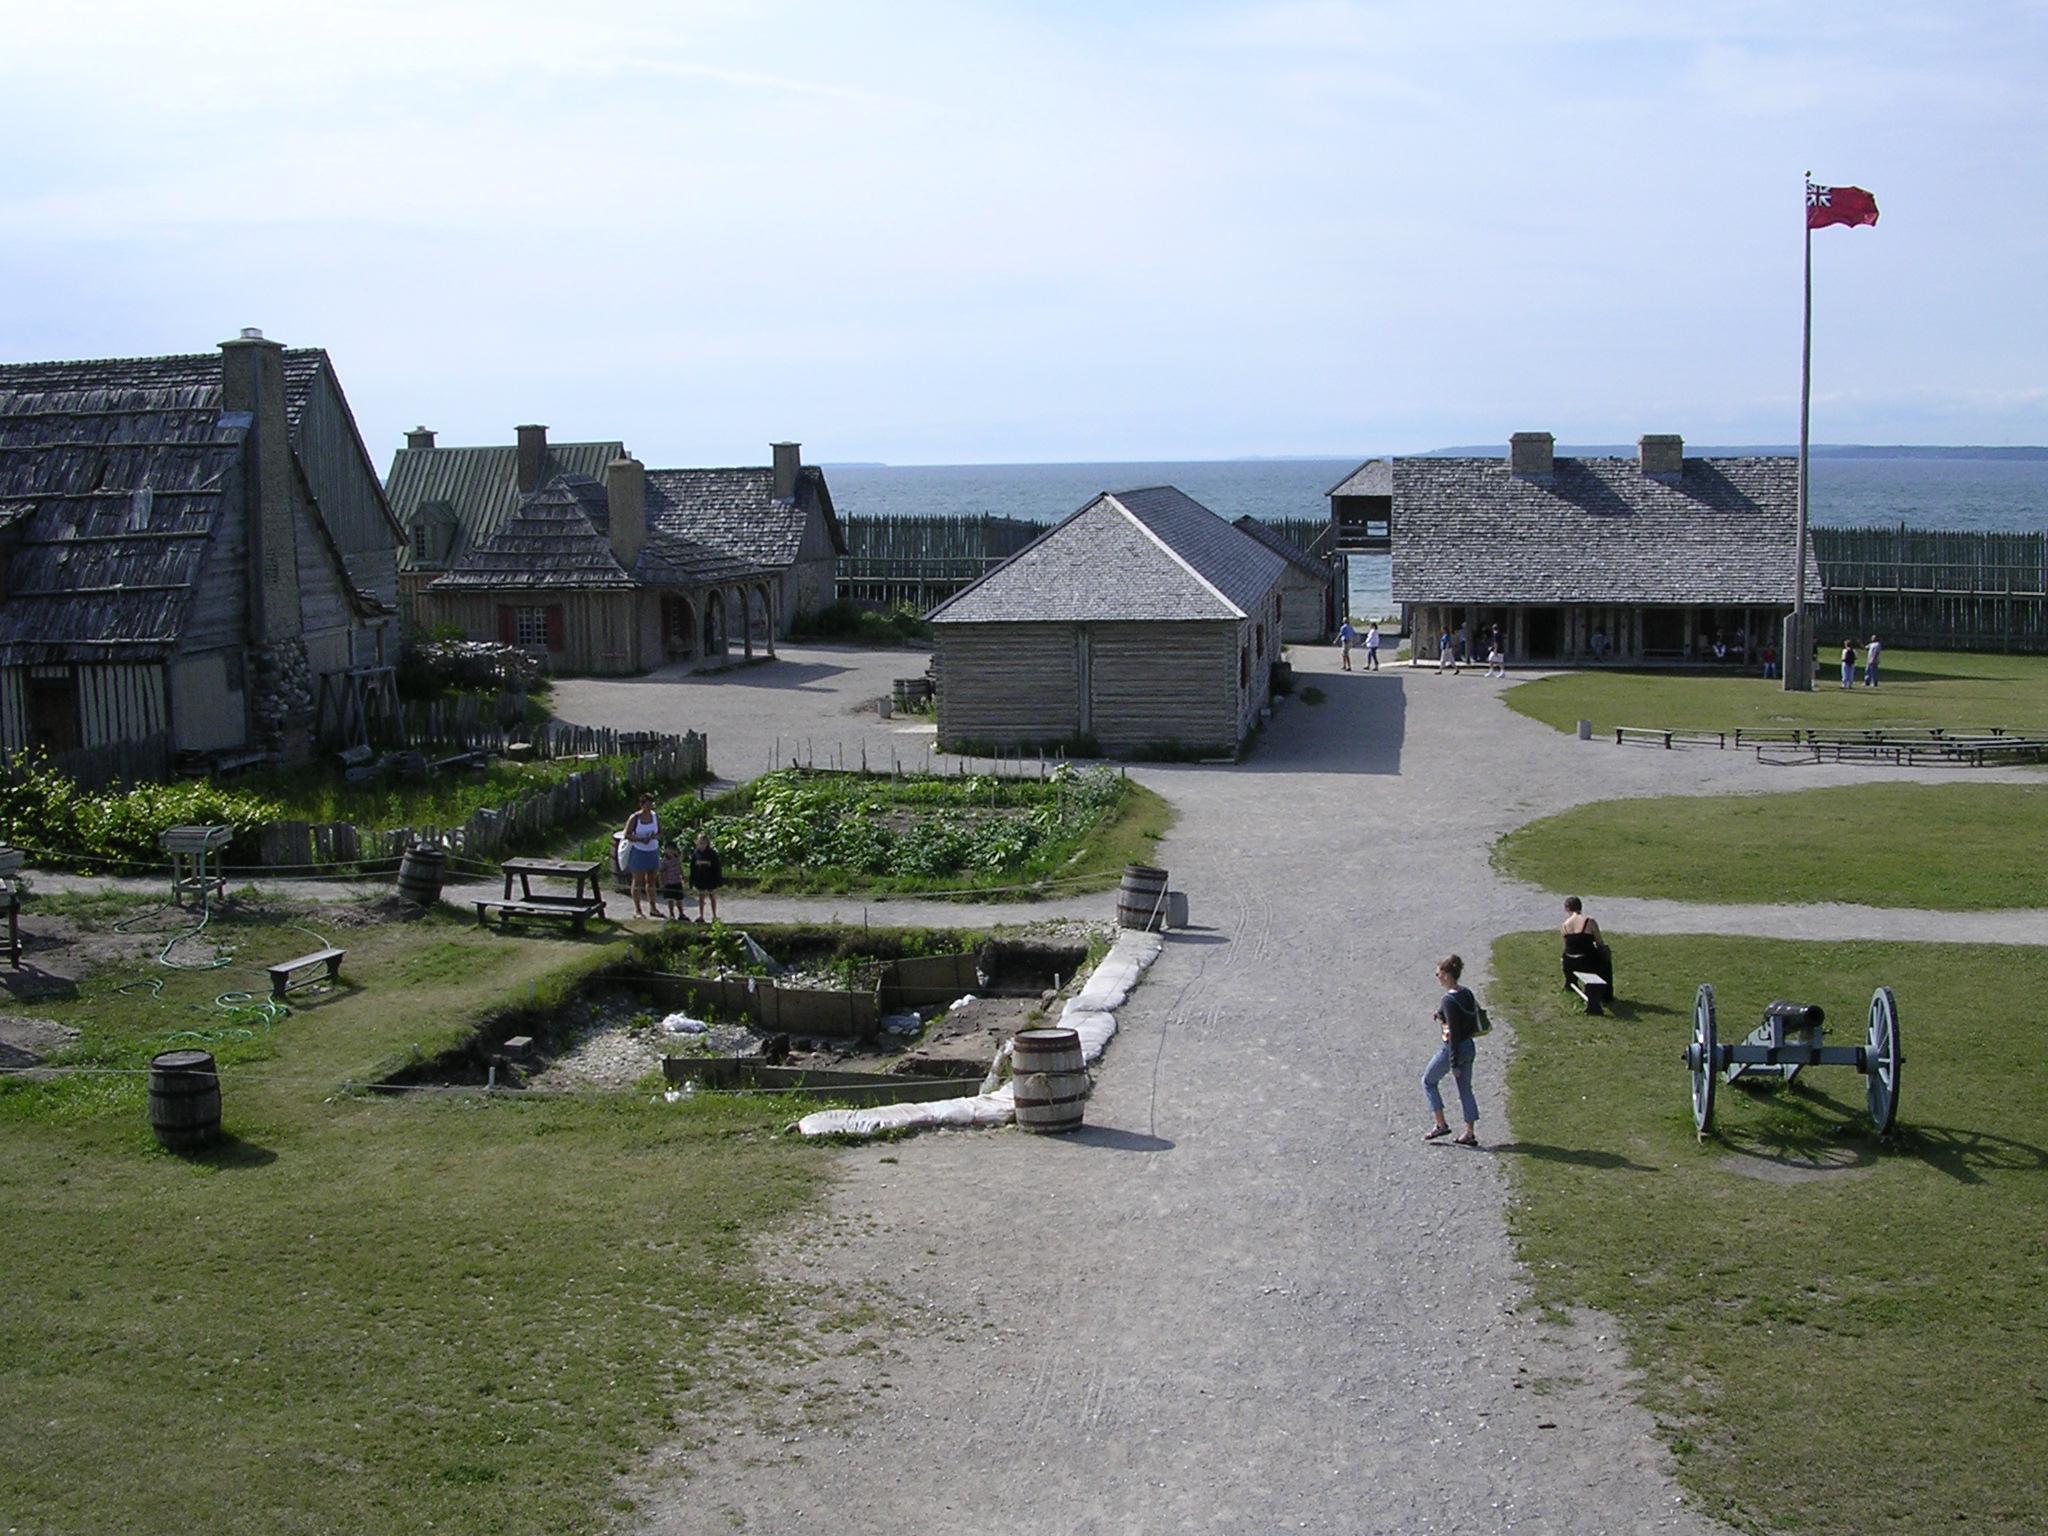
53 713
1545 631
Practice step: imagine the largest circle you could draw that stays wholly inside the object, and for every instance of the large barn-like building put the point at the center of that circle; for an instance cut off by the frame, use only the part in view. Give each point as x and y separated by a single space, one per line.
1143 623
195 557
1656 559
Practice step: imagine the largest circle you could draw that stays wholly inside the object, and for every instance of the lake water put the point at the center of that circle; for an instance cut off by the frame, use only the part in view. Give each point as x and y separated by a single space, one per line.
1964 493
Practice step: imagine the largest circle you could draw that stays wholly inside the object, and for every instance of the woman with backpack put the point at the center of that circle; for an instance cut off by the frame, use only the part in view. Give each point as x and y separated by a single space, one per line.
1459 1015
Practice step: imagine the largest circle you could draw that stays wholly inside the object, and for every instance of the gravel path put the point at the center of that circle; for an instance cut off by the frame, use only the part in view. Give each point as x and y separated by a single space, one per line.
1248 1297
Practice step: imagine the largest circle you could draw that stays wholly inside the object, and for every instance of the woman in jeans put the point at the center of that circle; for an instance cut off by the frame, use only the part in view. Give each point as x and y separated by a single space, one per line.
1458 1014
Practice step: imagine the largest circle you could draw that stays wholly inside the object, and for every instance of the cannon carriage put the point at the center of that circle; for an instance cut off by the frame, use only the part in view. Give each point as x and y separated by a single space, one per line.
1789 1039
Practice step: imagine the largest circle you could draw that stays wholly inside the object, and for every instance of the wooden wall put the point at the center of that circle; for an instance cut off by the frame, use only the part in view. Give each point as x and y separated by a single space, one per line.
1147 684
600 630
113 703
1304 609
1009 684
1165 682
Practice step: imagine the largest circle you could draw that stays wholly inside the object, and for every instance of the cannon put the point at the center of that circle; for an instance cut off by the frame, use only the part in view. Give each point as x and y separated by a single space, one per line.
1790 1038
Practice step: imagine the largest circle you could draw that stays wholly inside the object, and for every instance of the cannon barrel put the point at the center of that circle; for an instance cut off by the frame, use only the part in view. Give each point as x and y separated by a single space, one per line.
1797 1015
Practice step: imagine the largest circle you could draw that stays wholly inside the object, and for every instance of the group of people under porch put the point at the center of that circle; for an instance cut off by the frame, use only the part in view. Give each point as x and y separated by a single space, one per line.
1454 647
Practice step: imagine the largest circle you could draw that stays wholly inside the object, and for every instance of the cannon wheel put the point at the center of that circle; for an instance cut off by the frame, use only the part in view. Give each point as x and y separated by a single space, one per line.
1882 1059
1701 1059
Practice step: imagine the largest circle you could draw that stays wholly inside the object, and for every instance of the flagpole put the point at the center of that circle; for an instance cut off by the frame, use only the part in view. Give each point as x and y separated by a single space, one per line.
1799 643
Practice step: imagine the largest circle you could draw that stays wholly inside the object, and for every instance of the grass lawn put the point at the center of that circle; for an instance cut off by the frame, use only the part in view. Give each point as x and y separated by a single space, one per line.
365 1313
1952 689
1860 1350
1952 847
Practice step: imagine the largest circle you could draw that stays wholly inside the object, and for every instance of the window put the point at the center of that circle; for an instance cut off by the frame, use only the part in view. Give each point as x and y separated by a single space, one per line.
1244 666
1262 639
530 627
422 541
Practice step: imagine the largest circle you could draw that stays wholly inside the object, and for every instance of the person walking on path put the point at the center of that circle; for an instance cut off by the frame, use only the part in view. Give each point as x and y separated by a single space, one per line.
707 874
1443 652
1870 658
1372 647
1458 1014
643 857
1496 662
1848 663
1346 638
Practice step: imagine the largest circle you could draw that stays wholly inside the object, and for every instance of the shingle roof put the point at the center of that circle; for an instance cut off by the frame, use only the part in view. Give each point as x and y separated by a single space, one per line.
196 370
190 371
1283 546
481 485
736 510
1466 531
1375 477
1146 554
555 538
114 498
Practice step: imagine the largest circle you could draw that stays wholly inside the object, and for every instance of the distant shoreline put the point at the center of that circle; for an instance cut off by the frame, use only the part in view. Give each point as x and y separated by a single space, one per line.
2018 454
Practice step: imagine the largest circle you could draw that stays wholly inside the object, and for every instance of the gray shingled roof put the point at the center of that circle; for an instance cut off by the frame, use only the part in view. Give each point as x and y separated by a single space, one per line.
556 539
1146 554
1600 531
1283 546
113 498
1375 477
736 510
188 371
481 485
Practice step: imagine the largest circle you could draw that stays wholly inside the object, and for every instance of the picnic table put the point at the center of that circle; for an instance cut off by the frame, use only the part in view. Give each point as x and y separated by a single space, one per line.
588 902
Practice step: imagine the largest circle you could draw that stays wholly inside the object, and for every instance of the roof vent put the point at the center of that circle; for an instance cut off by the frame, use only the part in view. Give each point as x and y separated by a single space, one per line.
252 333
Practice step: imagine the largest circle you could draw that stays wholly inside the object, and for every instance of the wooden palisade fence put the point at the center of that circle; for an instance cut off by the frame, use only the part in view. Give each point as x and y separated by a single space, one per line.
1935 588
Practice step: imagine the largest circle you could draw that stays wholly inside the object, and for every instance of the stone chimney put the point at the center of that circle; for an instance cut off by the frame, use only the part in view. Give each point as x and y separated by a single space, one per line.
420 437
533 457
625 492
252 381
788 457
1662 455
279 690
1532 456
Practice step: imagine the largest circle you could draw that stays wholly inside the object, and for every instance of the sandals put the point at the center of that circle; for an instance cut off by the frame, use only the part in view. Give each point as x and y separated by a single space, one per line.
1435 1131
1465 1141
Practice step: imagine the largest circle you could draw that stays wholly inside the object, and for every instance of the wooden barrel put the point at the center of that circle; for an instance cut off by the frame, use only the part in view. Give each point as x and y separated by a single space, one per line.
420 874
1048 1079
184 1100
1141 900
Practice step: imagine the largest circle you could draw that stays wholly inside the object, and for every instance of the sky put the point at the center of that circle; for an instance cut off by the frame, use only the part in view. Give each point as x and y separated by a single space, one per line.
1002 232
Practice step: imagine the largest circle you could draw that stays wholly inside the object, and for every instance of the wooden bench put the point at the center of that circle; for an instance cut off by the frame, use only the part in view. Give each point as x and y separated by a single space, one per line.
560 908
281 974
1592 989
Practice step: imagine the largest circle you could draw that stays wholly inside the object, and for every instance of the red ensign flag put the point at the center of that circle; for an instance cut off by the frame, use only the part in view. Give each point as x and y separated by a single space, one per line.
1838 205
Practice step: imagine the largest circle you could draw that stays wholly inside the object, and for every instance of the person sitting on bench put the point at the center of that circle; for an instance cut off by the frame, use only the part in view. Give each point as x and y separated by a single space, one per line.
1584 949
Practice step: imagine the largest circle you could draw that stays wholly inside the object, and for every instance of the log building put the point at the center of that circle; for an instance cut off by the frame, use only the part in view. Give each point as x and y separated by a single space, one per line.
1143 623
195 557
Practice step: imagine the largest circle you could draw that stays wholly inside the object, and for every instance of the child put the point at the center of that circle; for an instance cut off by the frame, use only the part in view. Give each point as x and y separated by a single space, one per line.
707 874
672 879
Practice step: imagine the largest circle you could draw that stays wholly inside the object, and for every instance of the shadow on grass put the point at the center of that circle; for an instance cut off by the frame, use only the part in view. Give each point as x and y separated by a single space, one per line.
1577 1157
1966 1156
1632 1012
229 1152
